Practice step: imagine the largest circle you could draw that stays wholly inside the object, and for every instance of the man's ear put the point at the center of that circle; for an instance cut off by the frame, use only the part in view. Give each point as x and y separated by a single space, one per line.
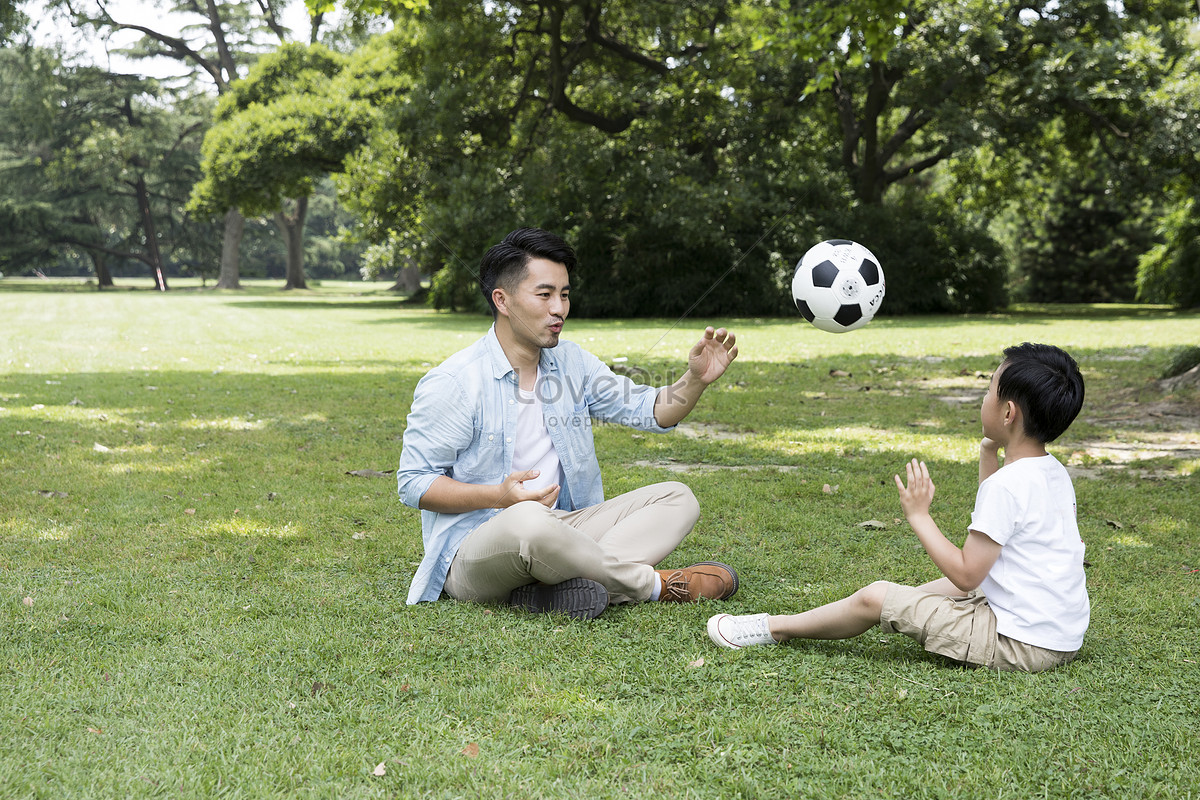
501 301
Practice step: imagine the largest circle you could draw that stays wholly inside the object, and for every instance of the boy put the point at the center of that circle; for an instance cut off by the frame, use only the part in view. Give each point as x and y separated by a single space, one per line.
1013 596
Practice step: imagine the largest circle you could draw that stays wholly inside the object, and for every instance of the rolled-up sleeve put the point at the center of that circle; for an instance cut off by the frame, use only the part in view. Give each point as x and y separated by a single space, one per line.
616 398
439 428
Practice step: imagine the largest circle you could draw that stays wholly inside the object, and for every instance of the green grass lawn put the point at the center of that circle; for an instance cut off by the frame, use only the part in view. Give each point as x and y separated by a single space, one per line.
200 601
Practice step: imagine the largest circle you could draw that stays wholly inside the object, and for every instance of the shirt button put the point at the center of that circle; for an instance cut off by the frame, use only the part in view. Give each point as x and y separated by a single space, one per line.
511 401
509 440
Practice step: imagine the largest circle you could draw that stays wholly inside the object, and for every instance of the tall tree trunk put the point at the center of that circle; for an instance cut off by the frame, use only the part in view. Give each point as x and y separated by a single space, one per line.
235 226
152 251
100 264
408 280
292 228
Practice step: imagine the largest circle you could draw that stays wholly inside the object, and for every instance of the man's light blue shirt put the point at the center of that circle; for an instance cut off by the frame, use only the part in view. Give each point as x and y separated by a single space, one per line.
464 419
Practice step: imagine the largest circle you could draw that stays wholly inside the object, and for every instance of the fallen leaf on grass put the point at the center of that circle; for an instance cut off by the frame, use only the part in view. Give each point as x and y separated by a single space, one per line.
189 511
873 524
380 770
28 601
95 730
699 662
370 473
839 373
75 402
1112 523
51 493
99 448
471 750
827 489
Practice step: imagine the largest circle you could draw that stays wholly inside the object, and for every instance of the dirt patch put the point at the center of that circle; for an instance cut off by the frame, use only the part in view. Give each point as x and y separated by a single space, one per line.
1190 378
1142 432
699 430
671 465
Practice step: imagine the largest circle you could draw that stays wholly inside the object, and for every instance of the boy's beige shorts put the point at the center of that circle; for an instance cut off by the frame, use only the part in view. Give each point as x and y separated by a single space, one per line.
963 629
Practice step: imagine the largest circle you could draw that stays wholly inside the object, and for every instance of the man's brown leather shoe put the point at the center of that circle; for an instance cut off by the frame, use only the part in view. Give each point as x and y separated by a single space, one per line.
708 579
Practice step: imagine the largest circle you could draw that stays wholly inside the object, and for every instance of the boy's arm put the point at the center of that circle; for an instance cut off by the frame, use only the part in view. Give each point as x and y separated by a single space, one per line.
966 567
989 458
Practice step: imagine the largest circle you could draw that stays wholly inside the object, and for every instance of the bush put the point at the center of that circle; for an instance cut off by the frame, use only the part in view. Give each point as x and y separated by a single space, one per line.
1170 272
1182 361
934 259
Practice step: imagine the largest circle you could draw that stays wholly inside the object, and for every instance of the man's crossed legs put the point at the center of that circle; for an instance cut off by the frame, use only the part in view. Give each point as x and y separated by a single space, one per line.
579 562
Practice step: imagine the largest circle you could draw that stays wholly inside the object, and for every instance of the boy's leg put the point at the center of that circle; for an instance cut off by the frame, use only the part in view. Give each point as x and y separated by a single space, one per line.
960 627
528 543
841 619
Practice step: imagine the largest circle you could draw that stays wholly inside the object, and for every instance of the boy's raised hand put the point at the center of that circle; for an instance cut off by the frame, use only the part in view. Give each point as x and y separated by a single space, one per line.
917 497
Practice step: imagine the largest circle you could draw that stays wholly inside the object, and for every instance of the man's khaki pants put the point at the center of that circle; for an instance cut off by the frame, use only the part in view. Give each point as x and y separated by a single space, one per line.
616 543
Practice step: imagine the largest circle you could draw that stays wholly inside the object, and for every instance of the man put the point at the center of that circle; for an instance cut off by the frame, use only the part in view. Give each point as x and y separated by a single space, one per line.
498 455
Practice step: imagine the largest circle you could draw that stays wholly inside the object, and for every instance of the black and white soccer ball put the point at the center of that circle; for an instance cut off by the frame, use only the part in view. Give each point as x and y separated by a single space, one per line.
838 285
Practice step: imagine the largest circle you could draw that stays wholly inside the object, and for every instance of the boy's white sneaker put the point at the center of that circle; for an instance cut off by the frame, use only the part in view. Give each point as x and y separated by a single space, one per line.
740 631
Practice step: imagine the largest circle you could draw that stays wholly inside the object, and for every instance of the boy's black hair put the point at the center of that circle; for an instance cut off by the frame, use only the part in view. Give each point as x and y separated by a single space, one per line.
504 264
1045 383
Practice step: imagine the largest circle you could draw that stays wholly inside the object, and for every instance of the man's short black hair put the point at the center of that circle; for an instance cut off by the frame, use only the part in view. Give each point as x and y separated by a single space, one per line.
504 264
1045 383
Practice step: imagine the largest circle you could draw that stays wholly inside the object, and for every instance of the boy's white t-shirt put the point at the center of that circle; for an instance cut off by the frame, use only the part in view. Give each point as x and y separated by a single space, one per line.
1036 587
533 448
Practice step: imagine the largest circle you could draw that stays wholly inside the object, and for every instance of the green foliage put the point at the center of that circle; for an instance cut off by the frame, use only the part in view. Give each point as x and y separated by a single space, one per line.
93 162
1085 247
287 125
1170 272
291 69
1186 358
690 184
12 21
934 258
832 36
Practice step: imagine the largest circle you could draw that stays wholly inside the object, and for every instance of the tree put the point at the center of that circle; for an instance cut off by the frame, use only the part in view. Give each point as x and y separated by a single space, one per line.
286 125
693 149
1170 271
92 161
223 40
11 20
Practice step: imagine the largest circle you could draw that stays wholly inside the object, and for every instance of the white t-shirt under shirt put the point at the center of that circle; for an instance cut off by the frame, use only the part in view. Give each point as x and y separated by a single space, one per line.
533 448
1036 587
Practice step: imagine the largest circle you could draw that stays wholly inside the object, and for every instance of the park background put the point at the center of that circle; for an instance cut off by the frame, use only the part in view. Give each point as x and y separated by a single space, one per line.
203 559
986 152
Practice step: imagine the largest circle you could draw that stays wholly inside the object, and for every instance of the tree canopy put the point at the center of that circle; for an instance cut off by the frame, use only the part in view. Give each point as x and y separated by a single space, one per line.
1042 149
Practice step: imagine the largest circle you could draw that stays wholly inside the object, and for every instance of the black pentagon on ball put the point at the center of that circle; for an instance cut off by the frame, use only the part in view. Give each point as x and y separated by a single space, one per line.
824 274
869 271
804 310
848 315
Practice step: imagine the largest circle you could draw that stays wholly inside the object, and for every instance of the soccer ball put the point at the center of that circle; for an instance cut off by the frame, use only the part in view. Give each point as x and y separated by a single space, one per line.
838 285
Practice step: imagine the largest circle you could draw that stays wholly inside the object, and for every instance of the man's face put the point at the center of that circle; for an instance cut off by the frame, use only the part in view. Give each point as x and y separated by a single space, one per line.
538 306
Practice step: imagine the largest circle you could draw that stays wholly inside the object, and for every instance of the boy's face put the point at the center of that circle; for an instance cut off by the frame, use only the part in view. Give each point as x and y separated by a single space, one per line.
993 412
